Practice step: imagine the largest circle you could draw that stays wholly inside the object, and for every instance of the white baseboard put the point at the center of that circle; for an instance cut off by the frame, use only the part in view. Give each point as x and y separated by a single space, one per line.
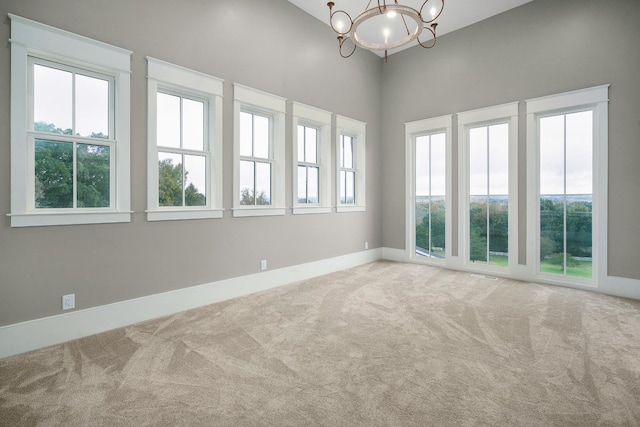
392 254
34 334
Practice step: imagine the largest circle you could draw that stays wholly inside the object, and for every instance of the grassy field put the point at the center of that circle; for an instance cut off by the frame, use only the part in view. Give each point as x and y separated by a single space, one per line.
582 269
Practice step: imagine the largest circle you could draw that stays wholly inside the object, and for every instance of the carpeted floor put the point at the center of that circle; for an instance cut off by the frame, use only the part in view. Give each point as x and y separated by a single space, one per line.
384 344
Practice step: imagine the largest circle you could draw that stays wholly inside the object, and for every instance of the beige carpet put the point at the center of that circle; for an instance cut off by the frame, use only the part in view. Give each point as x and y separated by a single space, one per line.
384 344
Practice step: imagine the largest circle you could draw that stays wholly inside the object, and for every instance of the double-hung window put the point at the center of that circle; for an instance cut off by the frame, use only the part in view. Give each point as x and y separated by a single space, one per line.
487 166
69 128
184 143
259 120
429 187
311 154
350 140
567 142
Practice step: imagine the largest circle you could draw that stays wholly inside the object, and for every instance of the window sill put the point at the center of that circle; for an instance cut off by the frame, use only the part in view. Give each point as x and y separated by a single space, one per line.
257 211
351 208
303 210
68 218
182 214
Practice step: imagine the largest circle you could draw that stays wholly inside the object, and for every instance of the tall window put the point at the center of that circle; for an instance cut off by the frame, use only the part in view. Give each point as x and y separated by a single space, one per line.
255 159
259 123
351 164
568 143
429 189
184 143
69 127
566 193
311 159
430 199
488 196
347 171
308 167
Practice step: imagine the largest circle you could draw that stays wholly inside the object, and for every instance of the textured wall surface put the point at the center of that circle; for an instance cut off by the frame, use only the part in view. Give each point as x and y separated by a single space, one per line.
541 48
272 46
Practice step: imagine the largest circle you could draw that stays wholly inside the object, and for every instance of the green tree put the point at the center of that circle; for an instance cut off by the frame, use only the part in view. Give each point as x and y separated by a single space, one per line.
171 180
248 197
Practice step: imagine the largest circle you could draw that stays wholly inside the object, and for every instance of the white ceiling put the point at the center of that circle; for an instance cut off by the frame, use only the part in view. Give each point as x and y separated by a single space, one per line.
456 14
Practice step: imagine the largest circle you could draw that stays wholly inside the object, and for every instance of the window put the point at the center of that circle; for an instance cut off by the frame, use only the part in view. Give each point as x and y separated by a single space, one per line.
488 203
429 186
70 126
568 154
259 120
351 164
184 143
312 155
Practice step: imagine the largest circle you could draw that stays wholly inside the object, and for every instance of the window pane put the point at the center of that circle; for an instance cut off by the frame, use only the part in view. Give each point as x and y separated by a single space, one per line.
53 174
192 125
312 185
246 134
350 187
92 107
579 236
552 155
311 135
52 100
499 159
247 183
170 179
301 144
422 166
93 172
195 176
579 153
499 231
478 229
552 234
430 226
343 187
263 183
438 165
302 184
168 119
261 137
478 176
346 153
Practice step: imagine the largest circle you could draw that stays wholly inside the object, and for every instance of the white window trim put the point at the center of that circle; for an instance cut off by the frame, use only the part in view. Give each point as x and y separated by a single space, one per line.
310 116
164 75
357 130
505 113
256 101
30 38
596 99
412 131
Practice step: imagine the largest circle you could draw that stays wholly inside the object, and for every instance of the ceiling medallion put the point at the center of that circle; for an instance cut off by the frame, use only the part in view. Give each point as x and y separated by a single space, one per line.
387 26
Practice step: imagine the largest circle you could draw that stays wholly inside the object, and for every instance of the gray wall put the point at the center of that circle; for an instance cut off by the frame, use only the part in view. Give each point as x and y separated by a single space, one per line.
268 45
541 48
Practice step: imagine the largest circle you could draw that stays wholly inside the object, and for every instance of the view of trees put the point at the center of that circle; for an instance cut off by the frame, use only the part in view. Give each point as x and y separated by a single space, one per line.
430 226
54 178
248 197
498 232
170 185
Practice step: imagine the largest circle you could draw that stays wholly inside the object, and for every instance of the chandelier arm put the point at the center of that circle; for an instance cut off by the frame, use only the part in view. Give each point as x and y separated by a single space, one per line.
341 40
436 16
405 24
332 12
432 30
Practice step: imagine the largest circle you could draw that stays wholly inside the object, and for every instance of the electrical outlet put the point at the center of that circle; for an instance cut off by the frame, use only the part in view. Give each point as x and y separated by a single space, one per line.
68 301
263 264
366 245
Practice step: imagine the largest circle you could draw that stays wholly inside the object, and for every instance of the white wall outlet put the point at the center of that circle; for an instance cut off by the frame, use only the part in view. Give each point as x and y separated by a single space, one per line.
263 264
366 245
68 301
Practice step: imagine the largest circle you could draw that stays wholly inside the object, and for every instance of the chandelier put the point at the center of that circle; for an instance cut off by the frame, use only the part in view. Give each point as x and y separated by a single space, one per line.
385 26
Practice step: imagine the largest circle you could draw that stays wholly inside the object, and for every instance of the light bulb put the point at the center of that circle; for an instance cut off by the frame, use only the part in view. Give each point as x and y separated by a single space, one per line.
391 13
433 11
